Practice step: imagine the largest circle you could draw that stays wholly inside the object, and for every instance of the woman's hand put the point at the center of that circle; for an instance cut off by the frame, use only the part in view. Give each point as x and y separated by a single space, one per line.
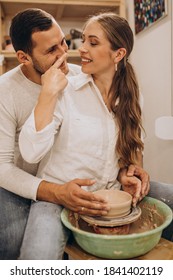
134 180
53 82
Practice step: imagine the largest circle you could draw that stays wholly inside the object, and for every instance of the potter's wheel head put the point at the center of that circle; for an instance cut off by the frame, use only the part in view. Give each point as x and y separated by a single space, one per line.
112 222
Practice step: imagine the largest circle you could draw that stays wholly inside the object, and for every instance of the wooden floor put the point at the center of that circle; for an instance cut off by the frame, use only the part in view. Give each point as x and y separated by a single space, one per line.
162 251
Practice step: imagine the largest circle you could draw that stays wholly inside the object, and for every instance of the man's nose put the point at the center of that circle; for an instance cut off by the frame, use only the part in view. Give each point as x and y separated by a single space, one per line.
62 49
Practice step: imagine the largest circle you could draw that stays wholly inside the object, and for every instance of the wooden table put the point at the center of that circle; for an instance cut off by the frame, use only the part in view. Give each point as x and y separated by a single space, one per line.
162 251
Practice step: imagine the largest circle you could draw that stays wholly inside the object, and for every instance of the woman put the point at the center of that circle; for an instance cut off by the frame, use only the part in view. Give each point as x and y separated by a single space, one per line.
97 118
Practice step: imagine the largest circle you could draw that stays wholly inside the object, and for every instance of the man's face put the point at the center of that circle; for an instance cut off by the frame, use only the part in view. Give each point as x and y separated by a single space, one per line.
49 46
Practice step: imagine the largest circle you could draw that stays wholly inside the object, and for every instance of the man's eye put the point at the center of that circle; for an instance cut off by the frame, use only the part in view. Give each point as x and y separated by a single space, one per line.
52 49
63 42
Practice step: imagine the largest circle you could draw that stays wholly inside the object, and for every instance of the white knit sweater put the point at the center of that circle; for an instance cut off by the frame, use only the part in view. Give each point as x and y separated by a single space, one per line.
18 96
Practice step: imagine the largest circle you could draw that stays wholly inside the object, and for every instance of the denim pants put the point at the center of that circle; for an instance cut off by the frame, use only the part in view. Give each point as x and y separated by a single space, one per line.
34 230
30 230
14 211
163 192
45 236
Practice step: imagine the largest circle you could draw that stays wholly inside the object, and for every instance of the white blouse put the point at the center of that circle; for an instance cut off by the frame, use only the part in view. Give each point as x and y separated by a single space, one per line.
80 141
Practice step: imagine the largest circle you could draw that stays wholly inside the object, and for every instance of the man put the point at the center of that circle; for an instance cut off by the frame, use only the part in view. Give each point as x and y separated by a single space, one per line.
39 43
40 47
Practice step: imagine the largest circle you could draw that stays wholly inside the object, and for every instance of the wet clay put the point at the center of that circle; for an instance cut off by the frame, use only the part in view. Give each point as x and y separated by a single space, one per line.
149 219
117 230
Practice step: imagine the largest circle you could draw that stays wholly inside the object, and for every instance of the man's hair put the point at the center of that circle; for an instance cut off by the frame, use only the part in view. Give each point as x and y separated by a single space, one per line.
24 24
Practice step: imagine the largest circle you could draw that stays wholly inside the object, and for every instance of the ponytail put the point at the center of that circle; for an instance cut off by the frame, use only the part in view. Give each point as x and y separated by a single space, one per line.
125 105
124 92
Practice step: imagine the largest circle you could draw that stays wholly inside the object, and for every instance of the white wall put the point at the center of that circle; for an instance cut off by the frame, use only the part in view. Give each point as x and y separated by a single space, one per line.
151 59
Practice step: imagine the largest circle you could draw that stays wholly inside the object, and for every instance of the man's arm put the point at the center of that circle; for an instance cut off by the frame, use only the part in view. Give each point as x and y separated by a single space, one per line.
13 178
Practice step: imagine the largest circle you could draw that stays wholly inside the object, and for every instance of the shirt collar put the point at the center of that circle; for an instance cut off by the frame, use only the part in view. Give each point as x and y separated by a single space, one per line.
80 80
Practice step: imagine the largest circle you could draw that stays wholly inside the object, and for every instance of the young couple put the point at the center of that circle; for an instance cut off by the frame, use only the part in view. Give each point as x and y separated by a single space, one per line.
83 133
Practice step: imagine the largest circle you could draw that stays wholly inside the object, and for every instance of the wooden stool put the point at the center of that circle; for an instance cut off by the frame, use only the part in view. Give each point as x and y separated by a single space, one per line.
162 251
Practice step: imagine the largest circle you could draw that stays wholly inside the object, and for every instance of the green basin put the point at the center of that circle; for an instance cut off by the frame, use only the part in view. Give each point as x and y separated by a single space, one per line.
121 246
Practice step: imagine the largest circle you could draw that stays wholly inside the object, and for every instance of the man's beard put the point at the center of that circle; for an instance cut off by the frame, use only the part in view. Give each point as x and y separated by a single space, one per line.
37 67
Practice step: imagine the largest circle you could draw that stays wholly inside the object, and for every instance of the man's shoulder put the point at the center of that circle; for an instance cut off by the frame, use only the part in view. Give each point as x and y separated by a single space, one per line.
9 75
74 69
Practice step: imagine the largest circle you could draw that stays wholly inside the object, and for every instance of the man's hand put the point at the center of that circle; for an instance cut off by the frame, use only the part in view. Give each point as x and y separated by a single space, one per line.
73 197
134 180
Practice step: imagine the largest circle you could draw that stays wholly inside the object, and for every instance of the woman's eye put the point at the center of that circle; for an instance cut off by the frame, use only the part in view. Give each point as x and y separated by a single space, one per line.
88 42
93 43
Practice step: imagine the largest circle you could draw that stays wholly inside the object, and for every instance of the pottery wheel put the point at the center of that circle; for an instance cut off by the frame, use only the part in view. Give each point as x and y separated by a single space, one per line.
112 222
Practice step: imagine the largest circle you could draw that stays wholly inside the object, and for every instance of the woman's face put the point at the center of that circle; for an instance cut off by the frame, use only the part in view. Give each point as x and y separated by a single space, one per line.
97 57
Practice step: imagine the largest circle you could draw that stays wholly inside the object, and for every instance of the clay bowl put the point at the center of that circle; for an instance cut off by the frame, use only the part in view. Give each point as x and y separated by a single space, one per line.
119 201
129 245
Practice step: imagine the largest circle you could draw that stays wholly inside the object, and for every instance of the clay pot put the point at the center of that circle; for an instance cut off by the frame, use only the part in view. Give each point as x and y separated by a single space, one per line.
119 201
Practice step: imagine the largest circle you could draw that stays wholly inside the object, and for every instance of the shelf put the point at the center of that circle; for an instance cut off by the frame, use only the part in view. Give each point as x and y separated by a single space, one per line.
63 10
71 12
8 60
7 54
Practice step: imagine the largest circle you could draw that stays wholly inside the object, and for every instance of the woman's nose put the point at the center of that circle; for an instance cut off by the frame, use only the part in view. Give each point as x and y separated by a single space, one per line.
81 49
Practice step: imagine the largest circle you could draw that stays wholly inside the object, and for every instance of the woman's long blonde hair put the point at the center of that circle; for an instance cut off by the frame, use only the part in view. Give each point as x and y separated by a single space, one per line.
124 92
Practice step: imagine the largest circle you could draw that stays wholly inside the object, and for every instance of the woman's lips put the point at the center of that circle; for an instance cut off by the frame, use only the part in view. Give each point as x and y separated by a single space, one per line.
85 60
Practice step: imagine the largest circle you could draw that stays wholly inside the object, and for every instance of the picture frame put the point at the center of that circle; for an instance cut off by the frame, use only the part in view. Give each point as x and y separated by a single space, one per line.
148 12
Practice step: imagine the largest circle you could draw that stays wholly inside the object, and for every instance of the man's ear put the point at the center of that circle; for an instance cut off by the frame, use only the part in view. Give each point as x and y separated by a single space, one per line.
23 57
119 55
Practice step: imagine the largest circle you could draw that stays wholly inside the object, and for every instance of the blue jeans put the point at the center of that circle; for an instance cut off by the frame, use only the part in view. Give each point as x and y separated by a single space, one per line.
164 193
30 230
14 211
45 236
